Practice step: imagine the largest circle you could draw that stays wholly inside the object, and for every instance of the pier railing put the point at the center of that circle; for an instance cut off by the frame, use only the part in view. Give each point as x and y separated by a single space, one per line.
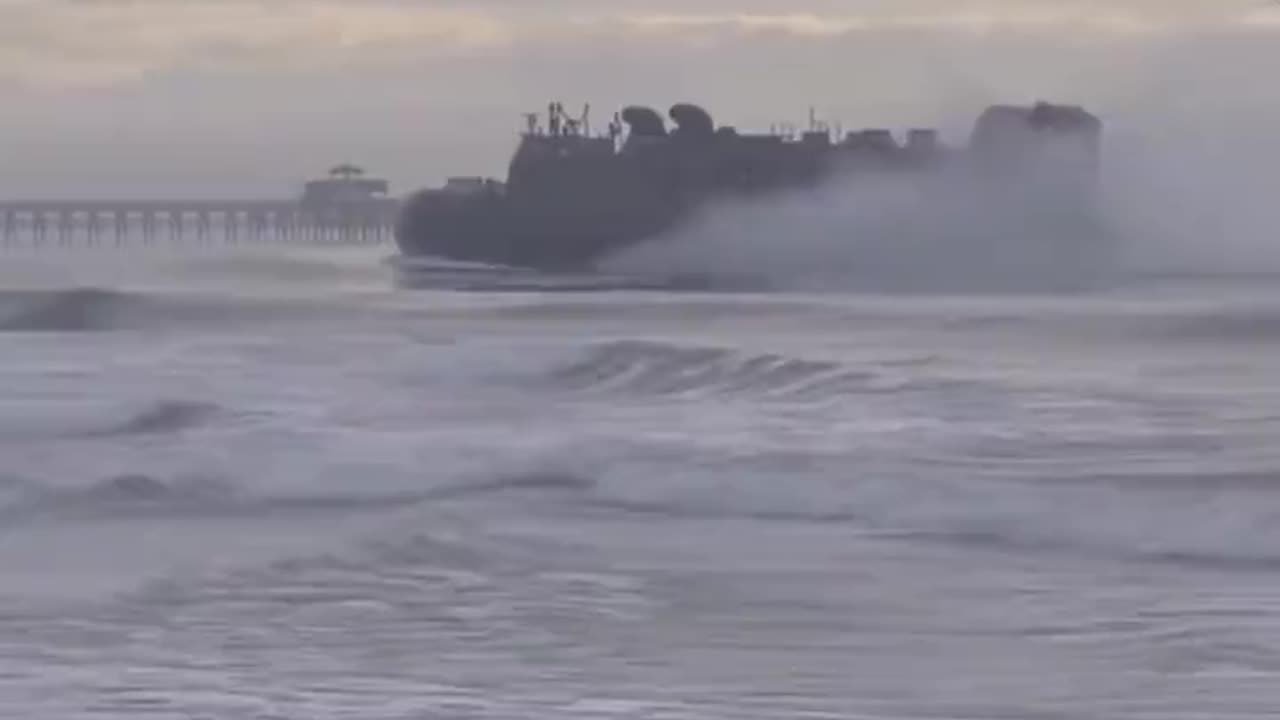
91 223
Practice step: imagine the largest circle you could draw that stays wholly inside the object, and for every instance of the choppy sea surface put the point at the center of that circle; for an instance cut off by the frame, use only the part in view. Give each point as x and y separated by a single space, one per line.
271 486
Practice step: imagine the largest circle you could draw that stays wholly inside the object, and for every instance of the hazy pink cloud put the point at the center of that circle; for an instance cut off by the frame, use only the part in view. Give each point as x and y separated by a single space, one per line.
58 44
197 95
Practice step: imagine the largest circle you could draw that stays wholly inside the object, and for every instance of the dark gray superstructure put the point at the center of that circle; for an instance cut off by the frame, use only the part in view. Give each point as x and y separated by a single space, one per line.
571 198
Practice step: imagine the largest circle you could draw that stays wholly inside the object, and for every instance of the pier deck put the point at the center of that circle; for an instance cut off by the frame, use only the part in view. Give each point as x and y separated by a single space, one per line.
91 222
344 207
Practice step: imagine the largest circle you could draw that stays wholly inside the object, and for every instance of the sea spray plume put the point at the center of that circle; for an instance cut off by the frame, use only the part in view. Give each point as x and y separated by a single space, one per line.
1186 181
1193 153
1191 147
1013 211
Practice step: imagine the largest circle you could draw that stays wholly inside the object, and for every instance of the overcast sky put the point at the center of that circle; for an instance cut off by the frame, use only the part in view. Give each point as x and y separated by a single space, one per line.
191 97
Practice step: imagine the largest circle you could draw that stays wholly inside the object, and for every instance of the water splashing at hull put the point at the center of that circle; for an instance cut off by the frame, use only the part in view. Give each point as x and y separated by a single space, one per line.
942 232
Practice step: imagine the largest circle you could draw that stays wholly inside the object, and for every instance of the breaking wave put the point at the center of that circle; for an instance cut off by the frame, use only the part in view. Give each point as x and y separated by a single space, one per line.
1249 323
163 417
23 500
91 309
1225 521
538 480
74 310
652 368
127 493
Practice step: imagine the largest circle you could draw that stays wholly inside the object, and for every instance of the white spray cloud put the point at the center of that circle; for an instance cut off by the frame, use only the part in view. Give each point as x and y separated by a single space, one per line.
1190 150
951 230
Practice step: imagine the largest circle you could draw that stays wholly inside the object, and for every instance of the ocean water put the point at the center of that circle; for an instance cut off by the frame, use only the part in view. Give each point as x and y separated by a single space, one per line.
267 485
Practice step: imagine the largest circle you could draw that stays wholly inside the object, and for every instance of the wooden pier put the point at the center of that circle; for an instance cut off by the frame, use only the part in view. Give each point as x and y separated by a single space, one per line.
341 209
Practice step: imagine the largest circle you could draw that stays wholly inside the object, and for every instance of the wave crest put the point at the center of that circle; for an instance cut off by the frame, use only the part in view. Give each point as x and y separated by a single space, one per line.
74 310
165 416
1239 324
657 368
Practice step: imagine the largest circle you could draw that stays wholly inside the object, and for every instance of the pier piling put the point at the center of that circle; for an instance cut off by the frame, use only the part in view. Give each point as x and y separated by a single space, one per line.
344 208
